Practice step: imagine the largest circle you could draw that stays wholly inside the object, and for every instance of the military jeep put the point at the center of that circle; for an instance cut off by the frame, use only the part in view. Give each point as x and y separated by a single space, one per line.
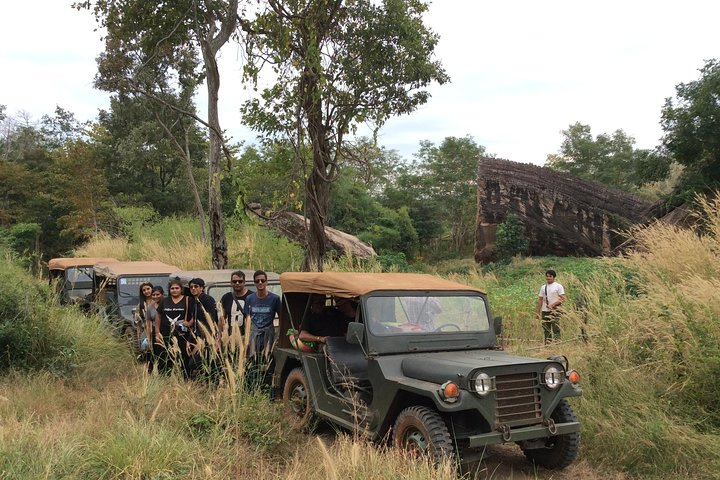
73 277
116 293
420 366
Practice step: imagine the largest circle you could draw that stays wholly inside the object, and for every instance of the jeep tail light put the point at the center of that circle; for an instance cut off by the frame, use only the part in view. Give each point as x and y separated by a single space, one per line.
574 377
450 391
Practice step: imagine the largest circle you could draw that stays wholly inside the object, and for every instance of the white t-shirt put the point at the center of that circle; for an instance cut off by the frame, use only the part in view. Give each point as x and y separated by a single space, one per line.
554 290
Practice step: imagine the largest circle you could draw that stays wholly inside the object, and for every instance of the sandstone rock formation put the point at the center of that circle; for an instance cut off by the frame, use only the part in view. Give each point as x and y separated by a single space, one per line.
293 226
562 214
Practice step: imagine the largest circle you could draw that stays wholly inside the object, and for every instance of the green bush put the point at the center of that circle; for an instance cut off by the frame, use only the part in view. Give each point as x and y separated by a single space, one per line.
509 238
36 333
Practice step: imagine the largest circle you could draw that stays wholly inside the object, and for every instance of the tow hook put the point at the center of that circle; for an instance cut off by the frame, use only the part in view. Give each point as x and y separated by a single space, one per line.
550 424
505 430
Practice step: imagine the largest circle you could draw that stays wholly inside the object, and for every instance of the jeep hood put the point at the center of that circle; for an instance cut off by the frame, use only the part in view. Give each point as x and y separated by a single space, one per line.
443 366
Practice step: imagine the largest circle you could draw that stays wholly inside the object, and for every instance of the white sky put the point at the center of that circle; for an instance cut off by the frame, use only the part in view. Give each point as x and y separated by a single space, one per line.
521 70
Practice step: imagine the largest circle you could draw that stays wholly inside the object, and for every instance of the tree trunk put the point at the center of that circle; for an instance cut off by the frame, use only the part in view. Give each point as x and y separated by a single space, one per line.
317 187
218 241
210 45
193 187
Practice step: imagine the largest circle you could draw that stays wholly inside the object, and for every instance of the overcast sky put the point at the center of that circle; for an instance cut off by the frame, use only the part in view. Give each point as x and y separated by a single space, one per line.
521 71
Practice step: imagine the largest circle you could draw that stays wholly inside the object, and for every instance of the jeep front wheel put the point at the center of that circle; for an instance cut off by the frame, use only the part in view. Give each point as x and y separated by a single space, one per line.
420 430
296 397
560 450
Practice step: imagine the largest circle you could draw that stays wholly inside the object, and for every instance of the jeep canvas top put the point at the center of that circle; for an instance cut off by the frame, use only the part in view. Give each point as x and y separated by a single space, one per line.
76 274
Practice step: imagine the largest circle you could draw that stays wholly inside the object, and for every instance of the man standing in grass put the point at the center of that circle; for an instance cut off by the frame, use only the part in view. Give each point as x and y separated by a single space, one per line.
262 307
551 296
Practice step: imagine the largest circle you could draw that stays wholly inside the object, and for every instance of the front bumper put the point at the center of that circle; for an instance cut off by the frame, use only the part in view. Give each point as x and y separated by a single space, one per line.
523 433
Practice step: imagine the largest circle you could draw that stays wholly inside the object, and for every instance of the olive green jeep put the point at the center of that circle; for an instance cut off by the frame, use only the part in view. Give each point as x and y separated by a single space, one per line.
420 366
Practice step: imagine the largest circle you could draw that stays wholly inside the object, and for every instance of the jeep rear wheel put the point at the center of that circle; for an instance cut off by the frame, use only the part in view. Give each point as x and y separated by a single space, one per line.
421 431
560 450
296 397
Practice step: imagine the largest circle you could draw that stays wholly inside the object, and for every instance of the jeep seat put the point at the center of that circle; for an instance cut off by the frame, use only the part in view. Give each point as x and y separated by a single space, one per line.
347 362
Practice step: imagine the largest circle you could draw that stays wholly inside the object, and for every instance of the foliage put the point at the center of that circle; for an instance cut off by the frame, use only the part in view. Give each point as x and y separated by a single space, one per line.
141 162
439 190
36 334
510 238
50 178
691 123
336 65
266 175
610 159
153 50
22 238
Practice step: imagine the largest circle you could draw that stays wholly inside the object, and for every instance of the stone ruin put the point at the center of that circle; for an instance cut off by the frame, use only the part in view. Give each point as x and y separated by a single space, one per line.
562 214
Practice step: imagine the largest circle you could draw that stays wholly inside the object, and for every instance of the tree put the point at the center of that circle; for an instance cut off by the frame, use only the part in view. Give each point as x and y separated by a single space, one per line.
691 125
610 159
449 174
150 44
150 154
335 64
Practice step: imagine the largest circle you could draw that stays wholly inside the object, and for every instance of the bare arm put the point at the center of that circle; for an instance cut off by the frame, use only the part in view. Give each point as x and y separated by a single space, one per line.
306 336
538 307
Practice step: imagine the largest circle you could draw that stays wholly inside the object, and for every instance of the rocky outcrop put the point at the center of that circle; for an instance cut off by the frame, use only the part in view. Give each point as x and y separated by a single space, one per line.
293 226
562 214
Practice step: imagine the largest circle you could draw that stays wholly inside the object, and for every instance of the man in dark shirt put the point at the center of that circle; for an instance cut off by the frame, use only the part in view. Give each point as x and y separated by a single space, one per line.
233 304
325 321
205 310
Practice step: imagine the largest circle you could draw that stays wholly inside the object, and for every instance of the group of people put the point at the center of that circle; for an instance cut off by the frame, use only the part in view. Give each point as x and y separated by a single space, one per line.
194 324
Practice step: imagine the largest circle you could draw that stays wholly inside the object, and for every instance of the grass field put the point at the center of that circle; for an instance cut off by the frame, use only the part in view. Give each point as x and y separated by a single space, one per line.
74 404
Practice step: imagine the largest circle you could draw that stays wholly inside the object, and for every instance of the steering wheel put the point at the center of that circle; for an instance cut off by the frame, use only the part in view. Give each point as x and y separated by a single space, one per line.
450 325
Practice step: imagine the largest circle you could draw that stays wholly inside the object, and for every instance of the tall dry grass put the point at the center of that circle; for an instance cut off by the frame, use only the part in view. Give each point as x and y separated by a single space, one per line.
177 242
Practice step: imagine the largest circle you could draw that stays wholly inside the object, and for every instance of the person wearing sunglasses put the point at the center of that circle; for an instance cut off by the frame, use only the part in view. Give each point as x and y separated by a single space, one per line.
233 303
261 307
205 308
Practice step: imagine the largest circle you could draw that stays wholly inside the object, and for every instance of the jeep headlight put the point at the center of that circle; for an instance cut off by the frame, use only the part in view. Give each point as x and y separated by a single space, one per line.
482 384
554 376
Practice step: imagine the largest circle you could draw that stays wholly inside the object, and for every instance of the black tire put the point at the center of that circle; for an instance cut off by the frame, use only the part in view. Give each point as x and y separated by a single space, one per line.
296 398
421 430
561 450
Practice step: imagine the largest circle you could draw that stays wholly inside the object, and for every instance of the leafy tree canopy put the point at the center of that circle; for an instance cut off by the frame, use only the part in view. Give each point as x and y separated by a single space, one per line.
610 159
692 124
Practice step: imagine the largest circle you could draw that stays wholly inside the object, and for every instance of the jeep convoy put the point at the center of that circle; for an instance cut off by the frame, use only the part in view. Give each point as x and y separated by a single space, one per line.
419 364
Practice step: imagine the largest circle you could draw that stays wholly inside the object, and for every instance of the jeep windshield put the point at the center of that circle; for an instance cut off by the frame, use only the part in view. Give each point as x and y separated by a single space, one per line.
420 314
129 289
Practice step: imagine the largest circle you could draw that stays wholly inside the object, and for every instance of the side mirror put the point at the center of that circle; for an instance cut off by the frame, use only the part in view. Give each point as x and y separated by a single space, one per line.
355 333
497 325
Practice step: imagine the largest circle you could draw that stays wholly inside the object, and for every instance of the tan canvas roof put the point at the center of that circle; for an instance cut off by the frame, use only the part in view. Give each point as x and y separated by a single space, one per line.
69 262
350 284
215 277
116 269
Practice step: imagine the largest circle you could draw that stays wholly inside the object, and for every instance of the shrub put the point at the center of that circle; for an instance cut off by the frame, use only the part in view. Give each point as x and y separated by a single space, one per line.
509 238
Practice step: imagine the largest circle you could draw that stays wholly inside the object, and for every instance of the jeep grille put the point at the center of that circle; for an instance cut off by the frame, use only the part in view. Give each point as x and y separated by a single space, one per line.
518 400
